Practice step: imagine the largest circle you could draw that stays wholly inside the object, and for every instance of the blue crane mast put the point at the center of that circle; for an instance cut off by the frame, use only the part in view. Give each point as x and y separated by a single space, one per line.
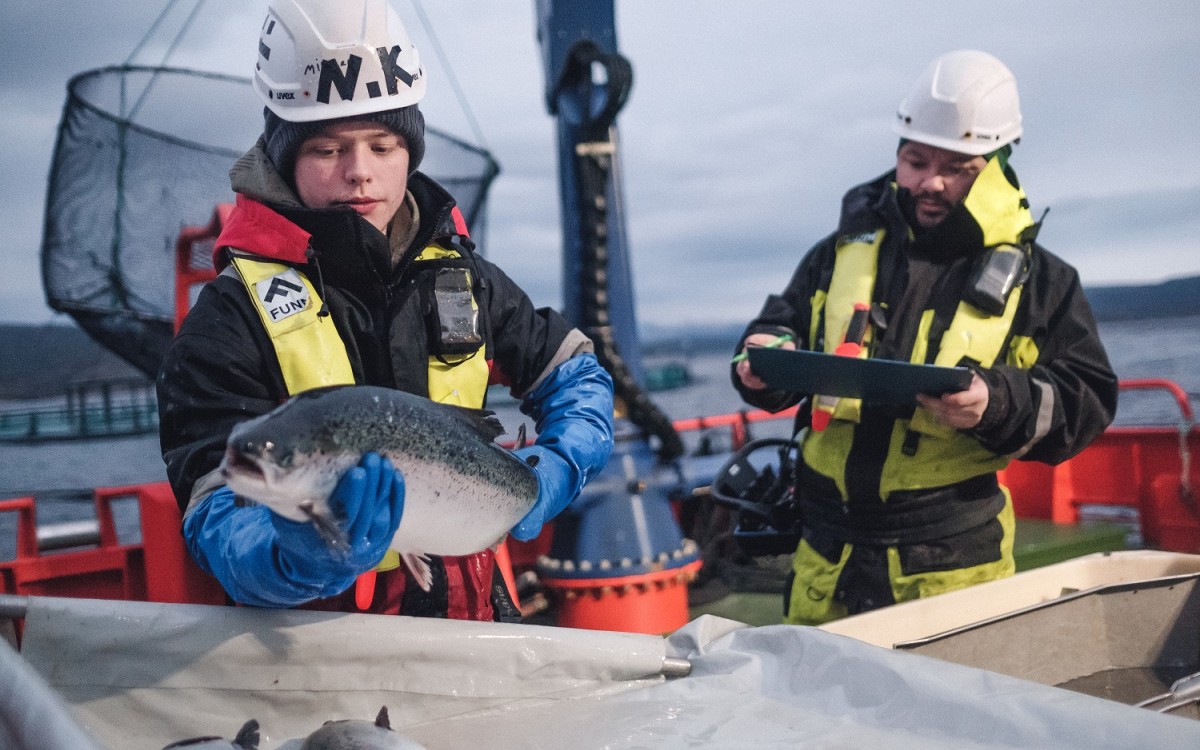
620 534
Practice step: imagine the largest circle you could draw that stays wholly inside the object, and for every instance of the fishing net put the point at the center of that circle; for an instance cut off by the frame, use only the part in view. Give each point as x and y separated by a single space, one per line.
143 152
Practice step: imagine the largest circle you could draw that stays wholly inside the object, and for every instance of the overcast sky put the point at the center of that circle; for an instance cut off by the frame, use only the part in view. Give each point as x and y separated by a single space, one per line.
746 124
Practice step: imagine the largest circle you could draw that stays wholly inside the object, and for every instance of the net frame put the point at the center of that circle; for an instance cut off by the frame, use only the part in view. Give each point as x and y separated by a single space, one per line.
141 153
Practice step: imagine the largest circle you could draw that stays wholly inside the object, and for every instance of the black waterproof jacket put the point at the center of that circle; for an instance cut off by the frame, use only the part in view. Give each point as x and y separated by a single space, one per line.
1047 413
221 369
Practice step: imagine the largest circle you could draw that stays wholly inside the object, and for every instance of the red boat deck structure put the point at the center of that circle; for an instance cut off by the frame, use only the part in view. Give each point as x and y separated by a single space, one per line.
1146 469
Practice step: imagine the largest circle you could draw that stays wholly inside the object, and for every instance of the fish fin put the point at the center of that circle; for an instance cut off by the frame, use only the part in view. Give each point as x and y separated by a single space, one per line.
382 719
522 440
483 421
330 531
418 564
247 738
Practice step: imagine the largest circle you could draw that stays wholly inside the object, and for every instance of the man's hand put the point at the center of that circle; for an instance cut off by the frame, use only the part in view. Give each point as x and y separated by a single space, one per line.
748 378
963 409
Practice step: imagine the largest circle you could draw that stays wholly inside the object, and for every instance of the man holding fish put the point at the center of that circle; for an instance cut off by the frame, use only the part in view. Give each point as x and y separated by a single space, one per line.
342 265
933 263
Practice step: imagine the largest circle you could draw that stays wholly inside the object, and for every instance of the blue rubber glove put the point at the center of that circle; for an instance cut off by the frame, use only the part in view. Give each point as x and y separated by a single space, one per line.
573 413
555 477
266 560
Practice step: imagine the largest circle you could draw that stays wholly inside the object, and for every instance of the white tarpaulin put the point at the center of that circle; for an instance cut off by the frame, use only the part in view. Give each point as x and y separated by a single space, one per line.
140 675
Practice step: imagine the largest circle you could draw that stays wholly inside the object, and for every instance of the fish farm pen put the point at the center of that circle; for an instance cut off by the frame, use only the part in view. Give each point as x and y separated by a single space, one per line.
92 409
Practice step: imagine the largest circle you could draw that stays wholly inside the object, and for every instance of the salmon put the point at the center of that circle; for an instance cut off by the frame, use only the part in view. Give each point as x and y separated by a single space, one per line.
463 491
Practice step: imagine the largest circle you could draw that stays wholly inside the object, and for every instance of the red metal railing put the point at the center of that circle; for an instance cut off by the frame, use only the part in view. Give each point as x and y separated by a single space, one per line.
1145 468
1162 384
188 269
158 568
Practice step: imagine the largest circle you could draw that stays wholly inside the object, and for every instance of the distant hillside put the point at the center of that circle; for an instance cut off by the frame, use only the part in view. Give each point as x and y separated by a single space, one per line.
42 361
669 340
1165 300
1176 297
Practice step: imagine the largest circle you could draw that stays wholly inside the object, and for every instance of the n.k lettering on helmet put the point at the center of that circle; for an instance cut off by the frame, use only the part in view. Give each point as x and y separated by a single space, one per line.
329 59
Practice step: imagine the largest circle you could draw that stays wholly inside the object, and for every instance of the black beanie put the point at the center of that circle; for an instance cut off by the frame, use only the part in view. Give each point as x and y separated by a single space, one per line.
283 138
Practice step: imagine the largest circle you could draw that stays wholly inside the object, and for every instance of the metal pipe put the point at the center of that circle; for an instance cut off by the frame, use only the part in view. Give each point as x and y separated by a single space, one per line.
1183 691
13 606
85 533
673 667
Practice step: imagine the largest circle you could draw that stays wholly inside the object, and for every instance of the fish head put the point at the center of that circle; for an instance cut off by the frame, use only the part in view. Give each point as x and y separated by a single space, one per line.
290 468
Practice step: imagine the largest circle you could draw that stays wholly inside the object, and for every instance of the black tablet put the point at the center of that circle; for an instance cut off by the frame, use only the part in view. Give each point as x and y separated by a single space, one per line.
879 381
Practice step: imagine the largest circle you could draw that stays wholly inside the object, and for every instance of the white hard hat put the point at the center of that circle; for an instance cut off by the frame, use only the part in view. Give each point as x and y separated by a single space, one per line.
965 101
326 59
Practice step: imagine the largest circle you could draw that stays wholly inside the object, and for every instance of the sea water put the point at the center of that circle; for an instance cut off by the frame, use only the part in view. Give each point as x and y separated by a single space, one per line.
62 474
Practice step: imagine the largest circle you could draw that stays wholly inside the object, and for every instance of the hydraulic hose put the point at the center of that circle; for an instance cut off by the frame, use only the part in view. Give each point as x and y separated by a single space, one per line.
594 153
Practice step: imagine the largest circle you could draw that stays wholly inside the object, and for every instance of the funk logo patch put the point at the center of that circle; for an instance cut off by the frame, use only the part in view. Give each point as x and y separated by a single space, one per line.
283 295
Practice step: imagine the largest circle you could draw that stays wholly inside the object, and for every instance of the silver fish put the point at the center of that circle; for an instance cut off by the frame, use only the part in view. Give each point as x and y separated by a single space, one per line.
463 492
247 739
358 734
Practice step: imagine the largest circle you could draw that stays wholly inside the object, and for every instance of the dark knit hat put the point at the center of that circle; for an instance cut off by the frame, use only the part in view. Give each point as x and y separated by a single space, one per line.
283 138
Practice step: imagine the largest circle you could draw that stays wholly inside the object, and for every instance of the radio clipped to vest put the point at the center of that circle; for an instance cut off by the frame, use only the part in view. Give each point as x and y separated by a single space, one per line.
454 317
996 273
1000 269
